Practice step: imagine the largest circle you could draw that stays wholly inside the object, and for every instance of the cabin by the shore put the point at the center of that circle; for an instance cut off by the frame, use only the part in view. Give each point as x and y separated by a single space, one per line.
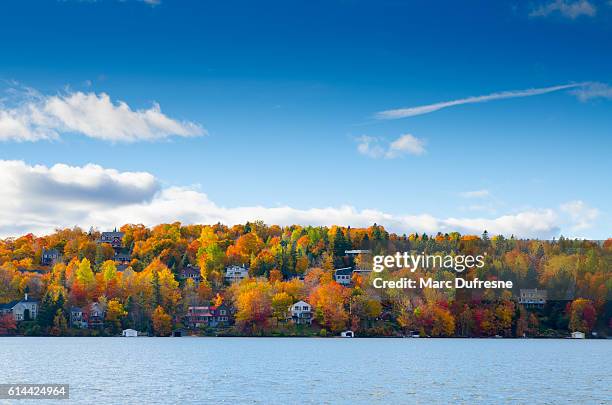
533 297
25 309
129 333
301 313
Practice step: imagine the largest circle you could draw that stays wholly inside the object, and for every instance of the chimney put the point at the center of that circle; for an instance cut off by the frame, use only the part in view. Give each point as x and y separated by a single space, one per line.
25 296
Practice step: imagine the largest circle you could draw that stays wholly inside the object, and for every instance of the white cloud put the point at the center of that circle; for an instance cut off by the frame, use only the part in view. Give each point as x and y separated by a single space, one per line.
38 199
580 214
378 147
425 109
37 117
475 194
593 90
369 146
34 198
567 8
406 144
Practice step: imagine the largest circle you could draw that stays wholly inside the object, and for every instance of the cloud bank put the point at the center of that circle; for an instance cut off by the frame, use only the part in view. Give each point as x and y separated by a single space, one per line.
39 199
34 117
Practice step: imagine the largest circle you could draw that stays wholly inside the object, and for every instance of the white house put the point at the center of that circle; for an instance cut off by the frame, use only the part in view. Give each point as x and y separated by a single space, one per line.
301 313
577 335
235 274
347 334
22 310
129 333
343 276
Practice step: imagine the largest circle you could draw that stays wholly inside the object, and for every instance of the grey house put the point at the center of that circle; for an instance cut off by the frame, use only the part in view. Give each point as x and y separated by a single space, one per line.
344 275
77 320
115 239
22 310
49 257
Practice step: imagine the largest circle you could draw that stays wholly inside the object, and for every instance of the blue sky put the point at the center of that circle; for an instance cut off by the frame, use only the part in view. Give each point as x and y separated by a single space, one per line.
286 93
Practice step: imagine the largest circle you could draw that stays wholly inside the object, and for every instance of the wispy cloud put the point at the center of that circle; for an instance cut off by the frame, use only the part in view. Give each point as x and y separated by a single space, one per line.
475 194
376 147
569 9
593 90
429 108
32 116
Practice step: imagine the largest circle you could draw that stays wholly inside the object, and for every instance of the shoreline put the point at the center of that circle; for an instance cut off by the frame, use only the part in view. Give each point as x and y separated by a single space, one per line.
326 337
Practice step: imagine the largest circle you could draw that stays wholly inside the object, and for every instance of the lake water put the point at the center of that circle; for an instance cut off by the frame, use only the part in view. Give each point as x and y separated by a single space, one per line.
292 371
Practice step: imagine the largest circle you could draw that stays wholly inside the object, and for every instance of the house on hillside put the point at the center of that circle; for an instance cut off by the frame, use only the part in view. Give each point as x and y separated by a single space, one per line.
532 297
197 316
221 316
208 316
343 276
94 316
121 258
114 238
191 272
22 310
49 257
301 313
235 274
77 319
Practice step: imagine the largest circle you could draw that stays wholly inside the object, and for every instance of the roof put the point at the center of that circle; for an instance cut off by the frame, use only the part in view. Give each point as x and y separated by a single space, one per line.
113 234
9 305
12 304
235 269
345 271
302 303
122 267
362 270
75 309
37 271
190 270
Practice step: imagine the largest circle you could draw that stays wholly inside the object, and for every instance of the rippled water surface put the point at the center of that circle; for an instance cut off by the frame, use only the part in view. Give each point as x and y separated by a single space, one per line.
292 371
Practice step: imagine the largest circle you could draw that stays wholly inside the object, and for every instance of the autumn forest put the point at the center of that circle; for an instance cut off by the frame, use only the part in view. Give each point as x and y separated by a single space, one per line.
153 279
